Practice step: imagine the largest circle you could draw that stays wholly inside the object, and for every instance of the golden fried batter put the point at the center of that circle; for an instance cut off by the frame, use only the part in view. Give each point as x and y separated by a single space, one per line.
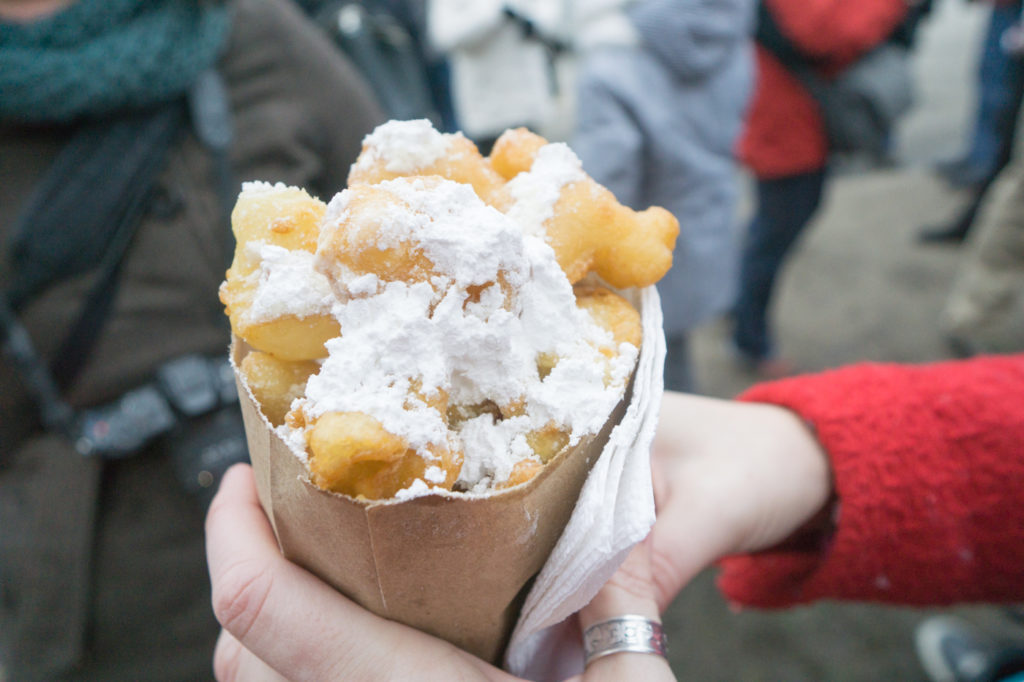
590 230
275 383
547 442
351 453
610 311
514 151
290 218
523 471
354 243
462 163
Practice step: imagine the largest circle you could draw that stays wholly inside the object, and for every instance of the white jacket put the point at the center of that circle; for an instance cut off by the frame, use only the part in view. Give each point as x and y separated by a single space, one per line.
501 78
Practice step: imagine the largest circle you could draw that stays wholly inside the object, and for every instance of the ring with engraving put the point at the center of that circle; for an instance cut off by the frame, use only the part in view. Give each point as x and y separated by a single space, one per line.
624 634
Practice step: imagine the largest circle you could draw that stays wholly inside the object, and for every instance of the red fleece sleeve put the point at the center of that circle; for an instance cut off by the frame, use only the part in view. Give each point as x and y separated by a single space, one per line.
928 466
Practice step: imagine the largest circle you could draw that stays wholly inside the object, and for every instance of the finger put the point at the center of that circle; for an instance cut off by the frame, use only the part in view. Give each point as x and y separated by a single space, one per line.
264 600
680 548
630 591
293 621
225 658
234 663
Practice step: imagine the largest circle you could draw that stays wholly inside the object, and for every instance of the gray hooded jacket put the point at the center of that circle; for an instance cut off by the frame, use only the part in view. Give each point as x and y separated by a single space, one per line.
657 125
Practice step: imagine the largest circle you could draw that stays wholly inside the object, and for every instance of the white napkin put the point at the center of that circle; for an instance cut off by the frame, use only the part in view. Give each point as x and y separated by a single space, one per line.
615 510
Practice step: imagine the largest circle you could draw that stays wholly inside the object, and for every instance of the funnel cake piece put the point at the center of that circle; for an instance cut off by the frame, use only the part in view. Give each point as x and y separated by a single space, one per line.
403 148
611 312
395 232
351 453
361 238
582 221
524 470
275 383
274 221
354 453
514 152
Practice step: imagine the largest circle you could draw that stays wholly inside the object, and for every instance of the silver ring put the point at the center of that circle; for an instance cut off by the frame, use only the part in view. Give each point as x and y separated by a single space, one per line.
634 634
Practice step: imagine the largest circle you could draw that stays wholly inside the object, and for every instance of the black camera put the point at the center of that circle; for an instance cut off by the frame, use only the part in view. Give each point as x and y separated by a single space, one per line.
192 404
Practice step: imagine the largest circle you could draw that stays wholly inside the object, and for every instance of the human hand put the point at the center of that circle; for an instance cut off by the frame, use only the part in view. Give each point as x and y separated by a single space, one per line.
283 623
729 477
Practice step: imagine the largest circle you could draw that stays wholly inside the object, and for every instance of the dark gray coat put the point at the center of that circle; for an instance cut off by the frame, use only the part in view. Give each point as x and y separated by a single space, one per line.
102 568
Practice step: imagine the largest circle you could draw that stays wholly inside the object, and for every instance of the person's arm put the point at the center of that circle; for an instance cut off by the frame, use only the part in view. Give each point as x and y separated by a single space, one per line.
928 464
283 623
891 483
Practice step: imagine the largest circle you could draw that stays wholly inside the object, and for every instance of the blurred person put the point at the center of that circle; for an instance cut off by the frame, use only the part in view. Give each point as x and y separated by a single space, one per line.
386 40
984 312
887 483
999 81
662 89
1000 89
878 482
784 144
504 64
148 113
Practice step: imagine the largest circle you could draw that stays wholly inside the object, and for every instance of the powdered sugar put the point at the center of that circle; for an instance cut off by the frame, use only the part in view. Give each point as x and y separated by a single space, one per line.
261 187
387 343
404 146
287 284
537 191
496 446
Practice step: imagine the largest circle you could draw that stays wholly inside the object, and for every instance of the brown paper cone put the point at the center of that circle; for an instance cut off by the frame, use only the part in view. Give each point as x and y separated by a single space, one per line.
454 566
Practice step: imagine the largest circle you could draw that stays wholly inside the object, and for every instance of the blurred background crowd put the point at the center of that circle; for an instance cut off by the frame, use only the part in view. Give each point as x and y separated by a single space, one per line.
807 242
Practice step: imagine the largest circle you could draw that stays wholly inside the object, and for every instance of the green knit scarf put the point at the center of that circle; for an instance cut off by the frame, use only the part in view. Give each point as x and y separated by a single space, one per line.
99 56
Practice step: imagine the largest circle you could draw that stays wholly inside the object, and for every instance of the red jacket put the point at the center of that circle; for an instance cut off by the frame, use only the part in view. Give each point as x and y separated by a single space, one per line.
784 134
929 476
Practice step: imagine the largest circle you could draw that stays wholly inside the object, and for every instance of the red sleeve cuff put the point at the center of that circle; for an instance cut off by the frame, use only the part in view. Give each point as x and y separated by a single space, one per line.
928 465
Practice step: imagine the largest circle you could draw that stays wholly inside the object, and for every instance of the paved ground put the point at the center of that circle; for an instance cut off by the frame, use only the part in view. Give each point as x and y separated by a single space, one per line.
858 288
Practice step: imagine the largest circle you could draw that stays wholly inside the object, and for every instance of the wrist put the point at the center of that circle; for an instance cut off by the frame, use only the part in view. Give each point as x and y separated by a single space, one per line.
796 496
810 466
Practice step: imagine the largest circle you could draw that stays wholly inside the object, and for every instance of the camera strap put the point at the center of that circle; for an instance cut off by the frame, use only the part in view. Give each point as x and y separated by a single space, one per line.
79 217
55 414
84 214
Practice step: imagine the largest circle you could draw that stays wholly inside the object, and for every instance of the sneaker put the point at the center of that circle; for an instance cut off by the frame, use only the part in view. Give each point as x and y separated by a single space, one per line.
952 650
952 234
